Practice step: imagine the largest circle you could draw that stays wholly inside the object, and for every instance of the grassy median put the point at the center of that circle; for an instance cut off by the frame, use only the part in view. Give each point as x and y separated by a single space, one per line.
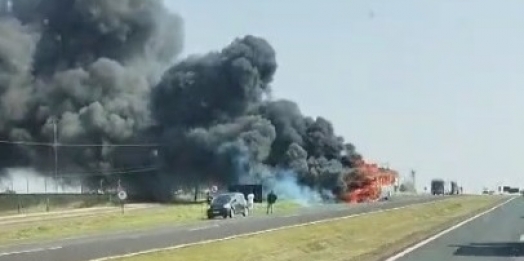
359 238
107 222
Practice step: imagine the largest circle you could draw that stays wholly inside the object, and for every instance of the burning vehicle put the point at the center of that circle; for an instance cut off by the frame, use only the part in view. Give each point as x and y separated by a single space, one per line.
368 182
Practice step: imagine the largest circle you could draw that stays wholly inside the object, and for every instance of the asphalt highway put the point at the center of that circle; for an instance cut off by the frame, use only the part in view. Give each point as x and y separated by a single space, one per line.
495 236
92 247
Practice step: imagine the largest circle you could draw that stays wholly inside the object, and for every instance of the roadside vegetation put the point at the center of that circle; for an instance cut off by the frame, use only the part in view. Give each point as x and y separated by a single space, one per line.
368 237
16 204
58 227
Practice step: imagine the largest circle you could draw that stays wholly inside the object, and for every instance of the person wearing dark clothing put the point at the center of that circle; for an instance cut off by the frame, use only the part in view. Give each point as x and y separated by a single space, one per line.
209 198
271 199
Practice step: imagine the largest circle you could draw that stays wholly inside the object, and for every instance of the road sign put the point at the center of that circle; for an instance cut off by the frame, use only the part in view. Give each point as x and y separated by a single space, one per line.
122 195
214 189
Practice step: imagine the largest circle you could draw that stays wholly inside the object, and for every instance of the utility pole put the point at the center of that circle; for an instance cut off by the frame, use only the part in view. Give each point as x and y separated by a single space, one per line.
413 176
55 149
5 6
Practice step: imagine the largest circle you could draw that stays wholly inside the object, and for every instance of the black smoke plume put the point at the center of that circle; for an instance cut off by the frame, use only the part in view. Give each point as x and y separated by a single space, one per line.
101 69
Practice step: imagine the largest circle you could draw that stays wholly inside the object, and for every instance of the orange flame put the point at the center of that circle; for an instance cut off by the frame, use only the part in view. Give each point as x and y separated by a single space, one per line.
366 183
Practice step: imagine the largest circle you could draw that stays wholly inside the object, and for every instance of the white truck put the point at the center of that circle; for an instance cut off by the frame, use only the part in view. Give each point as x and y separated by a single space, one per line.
447 188
386 192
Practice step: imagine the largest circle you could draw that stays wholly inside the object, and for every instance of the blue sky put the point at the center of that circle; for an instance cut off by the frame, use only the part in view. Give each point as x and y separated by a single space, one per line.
431 85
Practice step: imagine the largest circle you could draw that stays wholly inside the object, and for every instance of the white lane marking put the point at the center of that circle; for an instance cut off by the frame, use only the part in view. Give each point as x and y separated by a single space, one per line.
154 250
29 251
133 237
521 238
292 215
203 227
426 241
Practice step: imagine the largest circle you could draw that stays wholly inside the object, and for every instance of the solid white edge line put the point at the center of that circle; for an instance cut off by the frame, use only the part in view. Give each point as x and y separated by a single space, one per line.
29 251
428 240
203 227
154 250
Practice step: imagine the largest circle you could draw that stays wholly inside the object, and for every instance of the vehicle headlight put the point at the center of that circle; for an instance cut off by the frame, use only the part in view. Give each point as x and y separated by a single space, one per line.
227 205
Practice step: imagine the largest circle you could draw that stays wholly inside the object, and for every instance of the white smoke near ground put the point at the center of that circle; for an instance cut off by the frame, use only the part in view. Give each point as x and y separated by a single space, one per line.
30 181
283 182
286 186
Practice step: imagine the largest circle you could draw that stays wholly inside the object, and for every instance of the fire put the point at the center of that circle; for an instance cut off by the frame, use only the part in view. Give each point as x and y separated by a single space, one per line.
367 182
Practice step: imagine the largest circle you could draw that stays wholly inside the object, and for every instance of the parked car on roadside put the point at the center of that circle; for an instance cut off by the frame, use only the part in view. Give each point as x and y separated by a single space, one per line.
228 205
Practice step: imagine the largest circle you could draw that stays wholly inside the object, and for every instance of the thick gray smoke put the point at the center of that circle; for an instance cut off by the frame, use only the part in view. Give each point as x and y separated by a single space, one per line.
91 67
101 69
219 126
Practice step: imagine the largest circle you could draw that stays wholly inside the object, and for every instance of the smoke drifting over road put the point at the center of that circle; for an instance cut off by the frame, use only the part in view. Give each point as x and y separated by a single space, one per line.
102 68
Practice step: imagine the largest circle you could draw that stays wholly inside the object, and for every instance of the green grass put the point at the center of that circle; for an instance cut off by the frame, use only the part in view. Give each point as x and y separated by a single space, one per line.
12 204
41 208
358 238
107 222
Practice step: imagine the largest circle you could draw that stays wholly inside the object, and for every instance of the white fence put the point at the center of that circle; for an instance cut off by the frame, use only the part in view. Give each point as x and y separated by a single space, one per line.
31 185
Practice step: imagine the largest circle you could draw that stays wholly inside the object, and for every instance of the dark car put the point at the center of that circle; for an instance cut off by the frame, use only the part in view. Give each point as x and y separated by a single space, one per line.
228 205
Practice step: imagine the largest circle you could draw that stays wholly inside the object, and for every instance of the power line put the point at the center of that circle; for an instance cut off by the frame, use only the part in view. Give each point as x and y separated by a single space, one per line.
109 145
87 172
103 174
110 173
116 169
30 143
55 145
49 144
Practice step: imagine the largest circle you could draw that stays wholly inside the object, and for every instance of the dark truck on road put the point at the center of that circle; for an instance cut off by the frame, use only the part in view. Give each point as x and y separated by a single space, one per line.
442 187
438 187
455 190
246 189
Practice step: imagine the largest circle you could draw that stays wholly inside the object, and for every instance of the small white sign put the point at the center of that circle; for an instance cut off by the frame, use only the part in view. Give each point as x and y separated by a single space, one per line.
122 195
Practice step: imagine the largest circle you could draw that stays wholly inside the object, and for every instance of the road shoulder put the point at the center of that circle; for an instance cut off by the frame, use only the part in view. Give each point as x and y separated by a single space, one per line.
329 239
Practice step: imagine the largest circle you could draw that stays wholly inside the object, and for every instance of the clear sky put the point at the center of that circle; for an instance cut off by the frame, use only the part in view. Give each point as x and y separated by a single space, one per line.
432 85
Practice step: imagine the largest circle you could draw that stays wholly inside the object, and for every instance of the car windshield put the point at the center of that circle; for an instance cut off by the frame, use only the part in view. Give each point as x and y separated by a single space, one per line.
221 199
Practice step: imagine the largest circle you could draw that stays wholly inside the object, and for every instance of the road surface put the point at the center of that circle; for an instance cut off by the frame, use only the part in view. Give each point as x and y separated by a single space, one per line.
87 248
495 236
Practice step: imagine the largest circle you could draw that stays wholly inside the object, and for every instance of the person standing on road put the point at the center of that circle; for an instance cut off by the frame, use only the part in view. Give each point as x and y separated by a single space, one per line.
251 201
271 199
209 197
